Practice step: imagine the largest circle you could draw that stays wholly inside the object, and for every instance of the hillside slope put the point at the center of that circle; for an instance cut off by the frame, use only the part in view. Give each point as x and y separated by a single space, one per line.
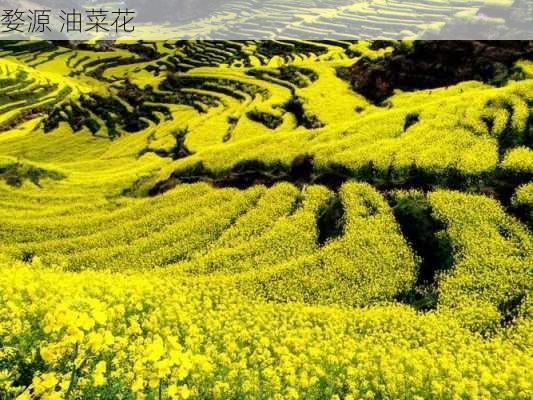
217 220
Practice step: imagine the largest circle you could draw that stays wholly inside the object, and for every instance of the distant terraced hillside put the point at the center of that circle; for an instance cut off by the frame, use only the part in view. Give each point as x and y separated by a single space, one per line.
282 19
265 219
311 19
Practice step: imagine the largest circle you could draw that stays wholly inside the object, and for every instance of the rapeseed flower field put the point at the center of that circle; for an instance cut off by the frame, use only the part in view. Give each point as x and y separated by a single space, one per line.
233 220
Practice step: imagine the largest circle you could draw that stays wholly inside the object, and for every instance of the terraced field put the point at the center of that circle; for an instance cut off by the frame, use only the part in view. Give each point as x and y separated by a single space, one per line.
346 19
233 220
